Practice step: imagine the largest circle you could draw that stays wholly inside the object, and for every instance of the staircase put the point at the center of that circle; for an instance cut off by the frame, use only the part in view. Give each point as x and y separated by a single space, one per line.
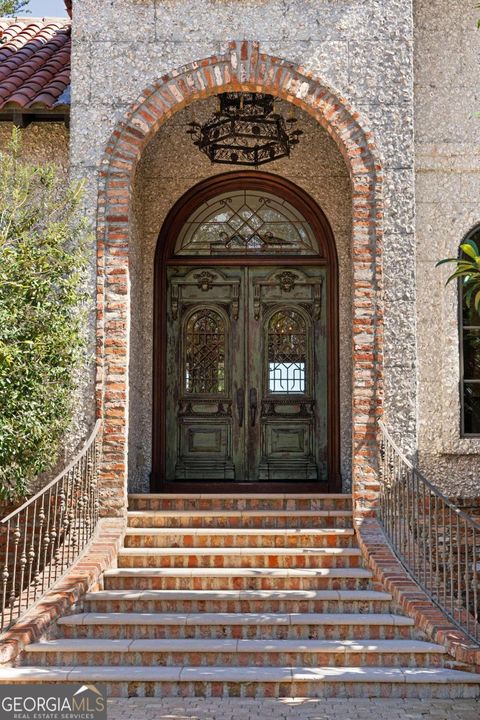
253 596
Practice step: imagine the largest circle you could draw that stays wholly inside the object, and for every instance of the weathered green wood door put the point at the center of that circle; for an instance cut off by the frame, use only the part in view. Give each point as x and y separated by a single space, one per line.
246 373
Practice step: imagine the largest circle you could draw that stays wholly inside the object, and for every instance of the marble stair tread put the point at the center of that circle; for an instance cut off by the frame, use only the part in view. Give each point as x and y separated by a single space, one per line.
126 673
89 645
240 496
239 513
235 674
239 531
240 572
207 618
228 645
293 595
27 674
383 674
161 551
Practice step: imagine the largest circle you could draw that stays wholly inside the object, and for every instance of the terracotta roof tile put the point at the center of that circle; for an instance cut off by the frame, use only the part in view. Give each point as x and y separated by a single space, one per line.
34 61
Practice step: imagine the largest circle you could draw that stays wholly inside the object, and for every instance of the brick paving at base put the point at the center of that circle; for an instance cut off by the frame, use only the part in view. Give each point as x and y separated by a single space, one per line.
290 709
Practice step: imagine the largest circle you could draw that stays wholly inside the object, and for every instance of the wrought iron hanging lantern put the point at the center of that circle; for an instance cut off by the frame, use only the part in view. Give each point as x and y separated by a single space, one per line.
245 130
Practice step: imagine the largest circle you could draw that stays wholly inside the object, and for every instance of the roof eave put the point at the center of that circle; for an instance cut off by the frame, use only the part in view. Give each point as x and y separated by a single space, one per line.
24 116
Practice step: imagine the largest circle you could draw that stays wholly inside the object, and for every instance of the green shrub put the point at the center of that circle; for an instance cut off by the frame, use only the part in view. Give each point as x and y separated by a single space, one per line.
43 311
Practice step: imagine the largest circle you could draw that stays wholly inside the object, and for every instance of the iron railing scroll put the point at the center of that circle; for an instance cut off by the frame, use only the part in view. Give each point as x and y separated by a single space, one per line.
435 541
40 540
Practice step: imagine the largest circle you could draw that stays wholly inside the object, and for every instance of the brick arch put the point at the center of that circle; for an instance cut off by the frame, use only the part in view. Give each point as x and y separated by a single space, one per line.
242 68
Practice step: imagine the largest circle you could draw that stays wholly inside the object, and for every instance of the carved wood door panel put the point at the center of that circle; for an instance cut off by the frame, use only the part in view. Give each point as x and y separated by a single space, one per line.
246 374
287 374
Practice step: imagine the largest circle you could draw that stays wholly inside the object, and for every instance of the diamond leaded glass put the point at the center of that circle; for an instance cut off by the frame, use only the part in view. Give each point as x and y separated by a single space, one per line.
205 353
246 222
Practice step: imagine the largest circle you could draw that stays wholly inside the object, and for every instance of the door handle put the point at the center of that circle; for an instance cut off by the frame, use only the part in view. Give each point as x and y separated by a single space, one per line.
240 405
253 406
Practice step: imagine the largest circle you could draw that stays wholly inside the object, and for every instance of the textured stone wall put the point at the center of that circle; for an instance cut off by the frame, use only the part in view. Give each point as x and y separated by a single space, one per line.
447 150
169 167
41 142
363 50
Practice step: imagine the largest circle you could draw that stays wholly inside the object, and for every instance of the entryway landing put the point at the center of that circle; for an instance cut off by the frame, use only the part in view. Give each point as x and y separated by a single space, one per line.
215 488
239 498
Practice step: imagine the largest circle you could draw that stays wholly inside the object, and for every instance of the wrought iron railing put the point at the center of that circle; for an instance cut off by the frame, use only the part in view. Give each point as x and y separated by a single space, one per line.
435 541
41 539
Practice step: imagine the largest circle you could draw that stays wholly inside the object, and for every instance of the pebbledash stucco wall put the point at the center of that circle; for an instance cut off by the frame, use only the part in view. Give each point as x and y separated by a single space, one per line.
447 155
41 143
169 167
362 49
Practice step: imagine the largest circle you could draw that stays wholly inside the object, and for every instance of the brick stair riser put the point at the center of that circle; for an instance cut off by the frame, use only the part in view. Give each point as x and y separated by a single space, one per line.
238 632
242 606
224 560
237 583
314 689
225 541
235 503
231 521
243 659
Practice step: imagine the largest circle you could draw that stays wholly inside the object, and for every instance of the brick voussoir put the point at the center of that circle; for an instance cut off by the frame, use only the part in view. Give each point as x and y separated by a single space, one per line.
83 575
388 571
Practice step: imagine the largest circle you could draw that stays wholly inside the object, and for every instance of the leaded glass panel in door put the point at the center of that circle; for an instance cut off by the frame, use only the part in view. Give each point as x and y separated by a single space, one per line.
287 352
204 353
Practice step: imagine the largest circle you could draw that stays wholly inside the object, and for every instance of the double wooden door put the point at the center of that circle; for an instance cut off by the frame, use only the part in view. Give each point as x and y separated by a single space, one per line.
246 385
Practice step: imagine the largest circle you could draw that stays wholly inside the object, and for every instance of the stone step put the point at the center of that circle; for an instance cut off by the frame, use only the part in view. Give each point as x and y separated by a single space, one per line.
203 681
235 537
242 557
238 579
338 626
187 652
309 601
284 519
254 501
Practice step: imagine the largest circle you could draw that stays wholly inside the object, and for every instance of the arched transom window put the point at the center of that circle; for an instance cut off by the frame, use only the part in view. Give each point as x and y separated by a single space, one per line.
245 222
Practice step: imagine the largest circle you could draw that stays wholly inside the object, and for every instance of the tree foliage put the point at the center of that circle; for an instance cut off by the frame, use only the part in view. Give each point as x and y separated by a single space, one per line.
467 269
12 7
43 307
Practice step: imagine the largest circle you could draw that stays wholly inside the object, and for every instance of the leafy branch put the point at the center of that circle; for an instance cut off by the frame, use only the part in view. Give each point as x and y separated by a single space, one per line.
467 269
12 7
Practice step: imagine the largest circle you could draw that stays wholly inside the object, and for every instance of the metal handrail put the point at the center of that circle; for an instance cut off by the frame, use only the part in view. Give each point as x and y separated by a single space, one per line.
40 540
436 542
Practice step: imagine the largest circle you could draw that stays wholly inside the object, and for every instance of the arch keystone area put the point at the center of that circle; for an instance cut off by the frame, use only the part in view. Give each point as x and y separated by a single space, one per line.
242 68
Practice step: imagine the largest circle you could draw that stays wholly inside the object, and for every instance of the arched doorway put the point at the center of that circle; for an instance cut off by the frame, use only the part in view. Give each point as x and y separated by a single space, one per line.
246 340
242 68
